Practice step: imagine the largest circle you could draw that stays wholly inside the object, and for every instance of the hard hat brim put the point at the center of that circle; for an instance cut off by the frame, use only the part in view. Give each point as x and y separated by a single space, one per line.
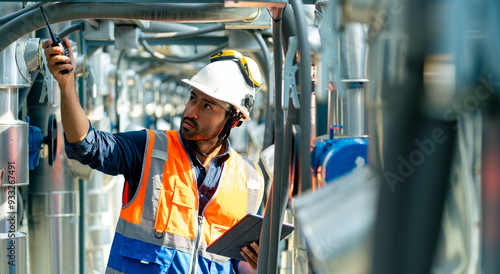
213 94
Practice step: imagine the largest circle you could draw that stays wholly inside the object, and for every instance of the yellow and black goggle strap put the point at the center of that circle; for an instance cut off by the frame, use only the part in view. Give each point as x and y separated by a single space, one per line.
237 57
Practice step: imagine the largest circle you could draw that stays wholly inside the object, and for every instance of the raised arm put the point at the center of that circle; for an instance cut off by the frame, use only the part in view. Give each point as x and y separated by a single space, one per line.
74 119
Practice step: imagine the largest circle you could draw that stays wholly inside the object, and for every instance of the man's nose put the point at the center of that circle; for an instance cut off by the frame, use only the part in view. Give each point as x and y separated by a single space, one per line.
192 111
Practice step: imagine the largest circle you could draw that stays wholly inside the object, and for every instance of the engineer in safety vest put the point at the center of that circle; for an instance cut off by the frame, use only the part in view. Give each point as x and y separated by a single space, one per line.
184 188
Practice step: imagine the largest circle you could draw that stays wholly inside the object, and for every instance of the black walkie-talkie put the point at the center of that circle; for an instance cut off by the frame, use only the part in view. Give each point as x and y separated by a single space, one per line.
56 41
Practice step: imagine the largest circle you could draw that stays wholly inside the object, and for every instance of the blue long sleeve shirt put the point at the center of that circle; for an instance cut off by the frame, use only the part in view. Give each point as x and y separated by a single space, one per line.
123 153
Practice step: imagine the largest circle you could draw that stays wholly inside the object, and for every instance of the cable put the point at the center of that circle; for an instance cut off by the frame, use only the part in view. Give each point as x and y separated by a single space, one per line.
306 86
11 16
268 245
67 31
160 57
183 35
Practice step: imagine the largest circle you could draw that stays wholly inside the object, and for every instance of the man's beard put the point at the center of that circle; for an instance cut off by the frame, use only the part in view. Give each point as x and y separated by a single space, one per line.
200 134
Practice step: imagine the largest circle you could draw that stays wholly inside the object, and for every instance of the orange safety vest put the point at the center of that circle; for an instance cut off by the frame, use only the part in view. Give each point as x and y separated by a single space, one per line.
164 210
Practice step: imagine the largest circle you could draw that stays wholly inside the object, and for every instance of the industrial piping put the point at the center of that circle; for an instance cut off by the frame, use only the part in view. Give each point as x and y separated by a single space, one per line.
202 13
13 163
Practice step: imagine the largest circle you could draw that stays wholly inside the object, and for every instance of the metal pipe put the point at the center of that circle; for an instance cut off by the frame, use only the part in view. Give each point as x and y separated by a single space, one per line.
8 103
94 23
23 93
82 184
272 204
182 35
348 109
10 76
193 13
14 248
67 31
13 161
82 252
155 27
53 195
118 87
167 59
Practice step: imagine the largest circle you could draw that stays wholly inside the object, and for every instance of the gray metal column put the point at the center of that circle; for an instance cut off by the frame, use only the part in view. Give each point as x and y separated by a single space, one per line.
53 209
13 163
346 104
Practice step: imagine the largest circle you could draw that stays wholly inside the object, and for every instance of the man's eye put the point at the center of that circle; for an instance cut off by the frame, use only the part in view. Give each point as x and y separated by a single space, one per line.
207 106
192 98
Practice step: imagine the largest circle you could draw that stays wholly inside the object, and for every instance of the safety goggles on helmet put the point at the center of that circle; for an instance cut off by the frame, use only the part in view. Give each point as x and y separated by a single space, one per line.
242 62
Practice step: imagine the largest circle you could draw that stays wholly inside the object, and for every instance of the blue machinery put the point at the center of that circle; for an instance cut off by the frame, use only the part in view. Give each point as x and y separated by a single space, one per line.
406 177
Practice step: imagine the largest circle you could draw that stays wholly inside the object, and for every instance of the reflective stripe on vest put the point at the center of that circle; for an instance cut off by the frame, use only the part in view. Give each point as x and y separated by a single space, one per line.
167 197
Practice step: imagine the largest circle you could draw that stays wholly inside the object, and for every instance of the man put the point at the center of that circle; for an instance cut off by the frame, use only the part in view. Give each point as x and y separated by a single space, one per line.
191 186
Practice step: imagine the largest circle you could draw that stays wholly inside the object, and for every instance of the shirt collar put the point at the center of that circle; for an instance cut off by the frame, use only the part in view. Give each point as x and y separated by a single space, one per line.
221 158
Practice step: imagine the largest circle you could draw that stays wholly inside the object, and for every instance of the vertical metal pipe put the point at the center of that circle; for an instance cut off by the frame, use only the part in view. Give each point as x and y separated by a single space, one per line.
354 119
13 163
266 248
8 103
82 255
53 195
346 103
347 108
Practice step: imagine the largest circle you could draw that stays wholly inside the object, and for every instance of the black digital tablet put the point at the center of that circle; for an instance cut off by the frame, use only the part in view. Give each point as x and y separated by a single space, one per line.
241 234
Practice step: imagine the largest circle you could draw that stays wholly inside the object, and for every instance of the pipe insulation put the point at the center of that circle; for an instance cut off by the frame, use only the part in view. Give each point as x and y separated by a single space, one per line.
61 12
13 163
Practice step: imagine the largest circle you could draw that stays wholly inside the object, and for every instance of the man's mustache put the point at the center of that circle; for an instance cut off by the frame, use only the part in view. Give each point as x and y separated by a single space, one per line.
190 120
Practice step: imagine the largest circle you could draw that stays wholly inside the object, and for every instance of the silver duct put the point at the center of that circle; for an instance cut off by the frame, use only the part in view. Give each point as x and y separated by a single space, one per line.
13 163
53 209
343 71
346 105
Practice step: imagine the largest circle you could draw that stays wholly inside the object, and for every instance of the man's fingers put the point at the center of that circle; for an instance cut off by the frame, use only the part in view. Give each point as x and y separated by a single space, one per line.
59 58
249 254
68 45
50 52
255 247
249 257
46 44
57 64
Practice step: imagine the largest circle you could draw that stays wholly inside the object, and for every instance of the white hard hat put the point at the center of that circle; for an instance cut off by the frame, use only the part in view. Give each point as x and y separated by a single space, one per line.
230 78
